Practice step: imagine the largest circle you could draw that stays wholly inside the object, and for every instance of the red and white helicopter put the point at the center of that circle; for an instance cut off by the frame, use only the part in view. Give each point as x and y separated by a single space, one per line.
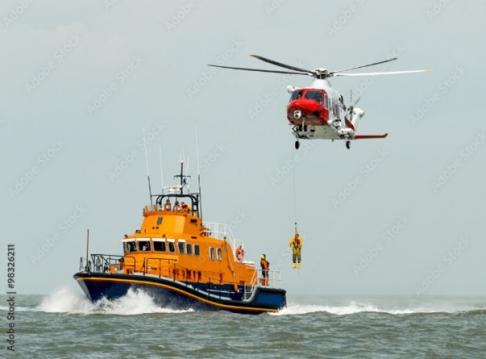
318 111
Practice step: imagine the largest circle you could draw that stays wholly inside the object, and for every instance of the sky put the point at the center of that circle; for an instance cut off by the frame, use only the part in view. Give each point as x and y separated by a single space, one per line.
82 81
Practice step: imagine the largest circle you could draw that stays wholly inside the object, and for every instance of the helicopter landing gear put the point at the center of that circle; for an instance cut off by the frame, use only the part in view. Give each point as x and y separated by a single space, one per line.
297 145
348 144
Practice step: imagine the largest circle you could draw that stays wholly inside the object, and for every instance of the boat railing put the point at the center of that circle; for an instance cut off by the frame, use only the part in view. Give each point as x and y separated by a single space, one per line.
163 270
168 268
161 267
270 278
250 289
101 263
175 271
217 230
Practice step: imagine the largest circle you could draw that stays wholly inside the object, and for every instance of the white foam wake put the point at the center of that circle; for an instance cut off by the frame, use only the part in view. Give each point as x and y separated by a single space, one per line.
133 303
354 307
4 308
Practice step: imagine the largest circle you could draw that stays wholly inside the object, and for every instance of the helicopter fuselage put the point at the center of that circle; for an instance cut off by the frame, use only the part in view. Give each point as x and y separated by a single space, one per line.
318 112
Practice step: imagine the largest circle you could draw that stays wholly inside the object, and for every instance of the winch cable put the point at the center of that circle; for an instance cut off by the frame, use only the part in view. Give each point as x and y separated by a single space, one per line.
294 185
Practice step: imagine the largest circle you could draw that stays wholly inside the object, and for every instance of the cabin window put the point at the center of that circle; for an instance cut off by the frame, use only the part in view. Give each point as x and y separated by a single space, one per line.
160 246
335 108
171 247
159 220
130 247
220 254
314 95
181 246
212 253
296 95
144 246
189 248
196 249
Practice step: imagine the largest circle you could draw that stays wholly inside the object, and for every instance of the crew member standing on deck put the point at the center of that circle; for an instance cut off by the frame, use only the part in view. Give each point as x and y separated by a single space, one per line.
265 264
296 246
167 205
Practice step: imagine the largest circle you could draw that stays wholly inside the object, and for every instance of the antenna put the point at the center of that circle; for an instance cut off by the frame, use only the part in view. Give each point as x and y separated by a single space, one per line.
187 171
182 176
87 251
147 166
161 169
198 175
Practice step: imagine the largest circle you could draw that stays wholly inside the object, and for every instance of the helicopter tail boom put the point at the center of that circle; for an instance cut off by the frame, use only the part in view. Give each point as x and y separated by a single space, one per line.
366 137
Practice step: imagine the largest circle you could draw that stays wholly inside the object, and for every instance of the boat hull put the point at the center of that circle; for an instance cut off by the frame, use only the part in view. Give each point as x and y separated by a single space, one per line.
178 295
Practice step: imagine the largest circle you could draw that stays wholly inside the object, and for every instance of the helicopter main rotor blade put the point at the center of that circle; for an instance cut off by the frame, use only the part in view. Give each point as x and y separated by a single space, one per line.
368 65
276 63
261 70
381 73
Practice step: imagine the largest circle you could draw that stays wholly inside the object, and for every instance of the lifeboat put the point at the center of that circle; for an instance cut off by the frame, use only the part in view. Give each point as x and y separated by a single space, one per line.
181 262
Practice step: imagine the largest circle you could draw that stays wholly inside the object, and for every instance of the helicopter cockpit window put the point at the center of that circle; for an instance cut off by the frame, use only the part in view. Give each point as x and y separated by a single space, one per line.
317 96
296 95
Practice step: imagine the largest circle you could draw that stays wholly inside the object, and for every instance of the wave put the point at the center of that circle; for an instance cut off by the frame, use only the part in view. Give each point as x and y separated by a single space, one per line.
4 308
355 307
135 302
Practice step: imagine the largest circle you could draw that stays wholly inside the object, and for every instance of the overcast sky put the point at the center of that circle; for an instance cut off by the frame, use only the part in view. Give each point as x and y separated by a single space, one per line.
80 80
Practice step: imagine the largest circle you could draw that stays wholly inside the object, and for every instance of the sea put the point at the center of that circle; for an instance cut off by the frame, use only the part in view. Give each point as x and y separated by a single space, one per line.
65 324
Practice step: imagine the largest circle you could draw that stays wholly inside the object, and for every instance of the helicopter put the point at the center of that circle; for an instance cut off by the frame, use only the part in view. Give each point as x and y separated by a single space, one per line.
318 111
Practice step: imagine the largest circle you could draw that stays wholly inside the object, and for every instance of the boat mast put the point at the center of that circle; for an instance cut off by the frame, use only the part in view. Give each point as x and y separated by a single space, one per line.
182 178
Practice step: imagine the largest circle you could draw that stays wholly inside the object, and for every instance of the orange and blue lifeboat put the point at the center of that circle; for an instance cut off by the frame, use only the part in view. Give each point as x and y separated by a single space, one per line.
181 263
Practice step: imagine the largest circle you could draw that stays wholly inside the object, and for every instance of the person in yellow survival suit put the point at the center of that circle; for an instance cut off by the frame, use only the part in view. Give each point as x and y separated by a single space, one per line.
265 264
296 245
